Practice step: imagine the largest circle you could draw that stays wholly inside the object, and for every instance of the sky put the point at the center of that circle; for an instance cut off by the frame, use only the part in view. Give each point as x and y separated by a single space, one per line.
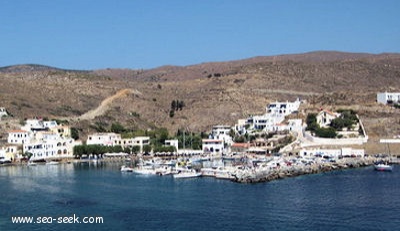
144 34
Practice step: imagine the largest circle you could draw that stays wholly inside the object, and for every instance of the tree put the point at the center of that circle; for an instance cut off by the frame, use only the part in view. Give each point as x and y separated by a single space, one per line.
326 132
311 121
117 128
180 105
135 149
146 148
74 133
173 105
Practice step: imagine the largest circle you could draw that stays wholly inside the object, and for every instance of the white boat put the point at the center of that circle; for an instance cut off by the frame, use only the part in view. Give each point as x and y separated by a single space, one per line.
383 167
188 173
144 170
126 169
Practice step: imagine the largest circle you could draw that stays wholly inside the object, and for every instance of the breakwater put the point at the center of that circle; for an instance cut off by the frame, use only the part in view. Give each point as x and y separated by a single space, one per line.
268 173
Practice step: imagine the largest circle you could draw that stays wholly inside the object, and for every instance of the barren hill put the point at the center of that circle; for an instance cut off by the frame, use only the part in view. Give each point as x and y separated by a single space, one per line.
213 93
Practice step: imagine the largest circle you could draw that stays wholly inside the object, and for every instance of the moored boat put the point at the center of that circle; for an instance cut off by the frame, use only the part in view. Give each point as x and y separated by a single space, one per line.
189 173
383 167
145 170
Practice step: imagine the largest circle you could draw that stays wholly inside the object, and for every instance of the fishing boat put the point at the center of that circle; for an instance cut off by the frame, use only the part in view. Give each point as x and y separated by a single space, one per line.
188 173
144 170
383 167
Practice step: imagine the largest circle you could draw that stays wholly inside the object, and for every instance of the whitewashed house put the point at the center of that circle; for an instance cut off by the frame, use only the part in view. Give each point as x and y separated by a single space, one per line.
18 137
222 132
332 153
3 112
174 143
8 154
283 108
240 127
107 139
325 117
271 121
50 145
212 146
130 142
33 125
49 124
387 97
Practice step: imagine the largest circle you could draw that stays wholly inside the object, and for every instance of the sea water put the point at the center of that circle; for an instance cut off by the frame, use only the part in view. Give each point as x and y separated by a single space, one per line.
356 199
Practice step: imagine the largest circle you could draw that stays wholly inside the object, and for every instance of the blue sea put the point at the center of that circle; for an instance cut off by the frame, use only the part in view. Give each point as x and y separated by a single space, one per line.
355 199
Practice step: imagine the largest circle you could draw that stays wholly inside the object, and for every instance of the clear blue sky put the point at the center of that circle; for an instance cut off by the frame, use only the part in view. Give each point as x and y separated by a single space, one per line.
83 34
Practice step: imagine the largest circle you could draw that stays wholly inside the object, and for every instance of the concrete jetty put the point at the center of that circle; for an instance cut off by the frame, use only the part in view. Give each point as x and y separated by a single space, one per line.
265 173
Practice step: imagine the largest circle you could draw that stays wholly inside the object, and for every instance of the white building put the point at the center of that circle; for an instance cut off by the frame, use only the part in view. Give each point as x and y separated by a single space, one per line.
271 120
107 139
18 137
49 124
240 127
213 146
33 125
283 108
222 132
47 145
325 117
3 112
332 153
130 142
387 97
174 143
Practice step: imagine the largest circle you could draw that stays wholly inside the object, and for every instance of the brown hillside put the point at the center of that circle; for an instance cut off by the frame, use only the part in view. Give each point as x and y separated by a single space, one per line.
213 93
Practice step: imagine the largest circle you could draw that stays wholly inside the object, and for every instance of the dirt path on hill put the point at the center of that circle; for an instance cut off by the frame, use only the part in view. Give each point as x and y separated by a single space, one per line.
105 104
289 92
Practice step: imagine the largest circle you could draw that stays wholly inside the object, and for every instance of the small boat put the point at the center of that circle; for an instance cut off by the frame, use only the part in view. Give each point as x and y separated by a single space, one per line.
189 173
383 167
144 170
52 163
126 169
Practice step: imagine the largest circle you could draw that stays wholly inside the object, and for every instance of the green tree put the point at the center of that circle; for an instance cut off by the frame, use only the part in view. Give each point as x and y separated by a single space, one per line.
147 148
135 149
311 121
171 113
74 133
174 105
117 128
326 132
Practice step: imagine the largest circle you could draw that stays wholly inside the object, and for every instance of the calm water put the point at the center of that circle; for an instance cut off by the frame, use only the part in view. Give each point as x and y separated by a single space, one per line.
358 199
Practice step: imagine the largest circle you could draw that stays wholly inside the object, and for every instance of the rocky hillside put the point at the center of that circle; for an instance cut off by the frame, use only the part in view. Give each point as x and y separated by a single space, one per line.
212 93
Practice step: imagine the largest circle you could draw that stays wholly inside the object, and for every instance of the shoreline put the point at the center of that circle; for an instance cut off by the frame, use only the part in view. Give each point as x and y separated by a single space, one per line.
261 173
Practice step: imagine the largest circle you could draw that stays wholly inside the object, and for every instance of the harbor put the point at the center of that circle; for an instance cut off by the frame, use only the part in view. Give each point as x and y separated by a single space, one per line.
248 168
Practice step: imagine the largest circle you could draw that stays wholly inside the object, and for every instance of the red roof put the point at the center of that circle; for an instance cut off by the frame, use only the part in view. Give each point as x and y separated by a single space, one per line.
240 145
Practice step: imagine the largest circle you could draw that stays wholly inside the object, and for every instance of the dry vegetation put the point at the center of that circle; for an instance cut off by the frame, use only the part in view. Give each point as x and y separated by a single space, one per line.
213 93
